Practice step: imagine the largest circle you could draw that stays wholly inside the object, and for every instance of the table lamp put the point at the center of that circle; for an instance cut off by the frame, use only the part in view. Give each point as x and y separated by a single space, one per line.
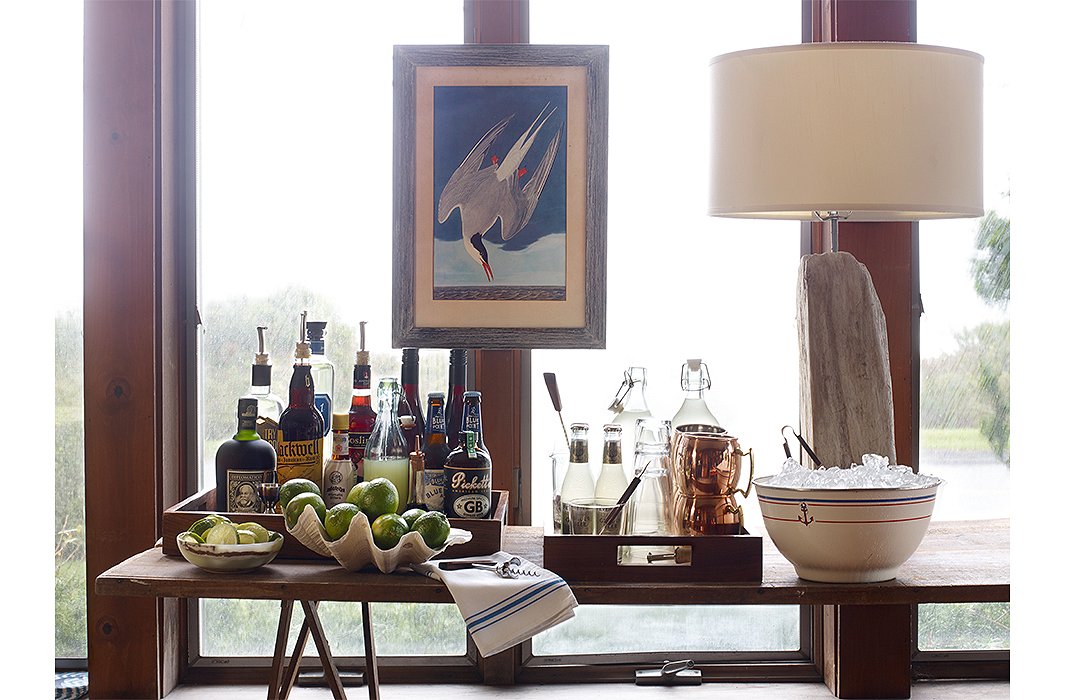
856 131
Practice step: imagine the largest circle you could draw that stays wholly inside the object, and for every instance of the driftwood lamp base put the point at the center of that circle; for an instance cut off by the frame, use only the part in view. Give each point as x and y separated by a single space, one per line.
845 384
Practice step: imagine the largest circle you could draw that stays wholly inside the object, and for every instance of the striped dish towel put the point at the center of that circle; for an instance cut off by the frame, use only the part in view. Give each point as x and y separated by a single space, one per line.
502 612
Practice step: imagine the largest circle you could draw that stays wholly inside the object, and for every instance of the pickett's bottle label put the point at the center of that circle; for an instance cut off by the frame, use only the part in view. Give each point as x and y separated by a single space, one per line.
299 459
267 428
242 490
467 492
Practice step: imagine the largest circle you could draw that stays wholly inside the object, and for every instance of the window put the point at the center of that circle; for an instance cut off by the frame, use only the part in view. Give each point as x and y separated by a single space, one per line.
964 433
295 214
722 290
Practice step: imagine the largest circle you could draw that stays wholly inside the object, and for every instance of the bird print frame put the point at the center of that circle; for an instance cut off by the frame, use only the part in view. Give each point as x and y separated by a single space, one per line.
500 185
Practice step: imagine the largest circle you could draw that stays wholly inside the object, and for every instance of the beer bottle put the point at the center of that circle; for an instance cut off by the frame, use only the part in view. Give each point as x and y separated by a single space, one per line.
468 480
435 446
410 405
453 410
472 416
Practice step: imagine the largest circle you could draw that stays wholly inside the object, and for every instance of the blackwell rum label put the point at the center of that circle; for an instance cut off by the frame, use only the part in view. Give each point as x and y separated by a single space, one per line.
299 459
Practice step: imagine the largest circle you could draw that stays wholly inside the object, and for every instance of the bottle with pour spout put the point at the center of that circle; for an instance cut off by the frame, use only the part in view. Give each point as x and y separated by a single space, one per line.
268 404
695 379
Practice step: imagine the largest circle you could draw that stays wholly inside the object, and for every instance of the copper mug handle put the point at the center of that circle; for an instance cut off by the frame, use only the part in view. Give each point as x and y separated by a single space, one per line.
750 454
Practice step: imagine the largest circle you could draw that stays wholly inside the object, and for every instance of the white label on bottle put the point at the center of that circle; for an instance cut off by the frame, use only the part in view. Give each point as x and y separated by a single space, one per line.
433 479
242 490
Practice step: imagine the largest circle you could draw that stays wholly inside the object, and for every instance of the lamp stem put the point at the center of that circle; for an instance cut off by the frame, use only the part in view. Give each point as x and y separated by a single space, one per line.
833 217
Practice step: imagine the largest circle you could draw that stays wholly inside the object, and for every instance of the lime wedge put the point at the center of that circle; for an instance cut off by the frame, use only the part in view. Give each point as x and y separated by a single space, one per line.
222 533
206 523
245 536
260 532
189 537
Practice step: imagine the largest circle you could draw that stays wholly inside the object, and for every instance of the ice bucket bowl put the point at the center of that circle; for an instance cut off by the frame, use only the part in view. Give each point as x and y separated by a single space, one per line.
853 535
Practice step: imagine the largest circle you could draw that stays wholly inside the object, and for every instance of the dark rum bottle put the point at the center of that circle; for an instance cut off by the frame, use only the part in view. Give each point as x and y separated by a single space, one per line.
361 415
468 480
242 463
453 409
301 426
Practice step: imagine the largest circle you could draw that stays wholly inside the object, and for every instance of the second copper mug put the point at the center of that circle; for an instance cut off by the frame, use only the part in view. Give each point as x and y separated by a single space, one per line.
706 461
708 515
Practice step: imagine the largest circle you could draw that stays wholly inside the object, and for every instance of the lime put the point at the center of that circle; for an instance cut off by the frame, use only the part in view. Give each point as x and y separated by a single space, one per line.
411 515
297 503
222 533
434 528
260 532
387 530
293 487
245 536
190 537
206 523
356 493
379 497
339 519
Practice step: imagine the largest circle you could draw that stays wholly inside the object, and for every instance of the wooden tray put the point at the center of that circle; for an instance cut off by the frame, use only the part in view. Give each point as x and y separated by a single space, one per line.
714 558
488 533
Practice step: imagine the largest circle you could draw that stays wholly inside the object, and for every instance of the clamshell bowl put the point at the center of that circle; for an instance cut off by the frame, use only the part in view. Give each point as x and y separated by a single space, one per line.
856 535
356 550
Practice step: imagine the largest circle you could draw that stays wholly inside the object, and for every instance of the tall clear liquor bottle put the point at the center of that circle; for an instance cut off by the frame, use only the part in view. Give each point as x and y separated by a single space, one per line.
436 451
242 463
361 415
612 480
300 429
695 379
337 475
410 405
268 404
387 453
453 409
322 372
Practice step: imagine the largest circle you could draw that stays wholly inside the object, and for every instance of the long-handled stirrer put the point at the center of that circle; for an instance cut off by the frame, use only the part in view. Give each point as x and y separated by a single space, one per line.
557 402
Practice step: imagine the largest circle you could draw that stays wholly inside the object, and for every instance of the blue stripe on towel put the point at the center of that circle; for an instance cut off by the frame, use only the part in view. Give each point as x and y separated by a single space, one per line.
517 599
539 597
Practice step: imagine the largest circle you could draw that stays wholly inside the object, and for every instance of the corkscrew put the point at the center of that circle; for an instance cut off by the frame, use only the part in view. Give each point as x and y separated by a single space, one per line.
512 568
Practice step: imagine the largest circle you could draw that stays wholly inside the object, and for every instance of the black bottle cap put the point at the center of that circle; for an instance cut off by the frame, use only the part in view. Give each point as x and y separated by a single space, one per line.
471 394
410 355
260 375
316 330
458 356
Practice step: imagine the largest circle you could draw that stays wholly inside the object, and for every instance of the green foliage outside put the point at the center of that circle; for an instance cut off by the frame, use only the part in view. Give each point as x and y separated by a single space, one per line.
70 615
948 626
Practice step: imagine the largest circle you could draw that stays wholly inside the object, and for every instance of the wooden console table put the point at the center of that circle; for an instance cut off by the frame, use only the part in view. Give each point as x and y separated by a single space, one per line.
957 562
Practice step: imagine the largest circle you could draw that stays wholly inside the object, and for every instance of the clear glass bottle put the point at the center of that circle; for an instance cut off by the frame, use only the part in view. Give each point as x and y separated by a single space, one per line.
338 477
630 405
695 378
322 372
612 481
387 453
578 481
649 510
268 404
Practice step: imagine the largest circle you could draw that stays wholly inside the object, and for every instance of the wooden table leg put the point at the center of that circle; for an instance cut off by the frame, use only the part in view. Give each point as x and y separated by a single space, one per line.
278 664
370 653
293 668
867 650
329 667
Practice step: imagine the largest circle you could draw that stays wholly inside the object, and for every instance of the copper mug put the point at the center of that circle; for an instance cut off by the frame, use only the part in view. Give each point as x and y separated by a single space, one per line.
708 515
706 461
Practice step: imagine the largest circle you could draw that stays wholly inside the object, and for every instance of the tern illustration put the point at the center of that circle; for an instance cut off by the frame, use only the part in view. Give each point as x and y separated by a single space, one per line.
484 194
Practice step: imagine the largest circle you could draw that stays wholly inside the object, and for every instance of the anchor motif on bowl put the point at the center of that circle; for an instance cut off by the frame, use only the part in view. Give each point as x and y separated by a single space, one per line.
806 518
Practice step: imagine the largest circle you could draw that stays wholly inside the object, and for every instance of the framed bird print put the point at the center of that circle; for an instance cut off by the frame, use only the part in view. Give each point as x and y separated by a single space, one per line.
500 196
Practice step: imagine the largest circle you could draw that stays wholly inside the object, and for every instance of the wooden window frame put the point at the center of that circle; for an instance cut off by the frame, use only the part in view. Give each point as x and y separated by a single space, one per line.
141 329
